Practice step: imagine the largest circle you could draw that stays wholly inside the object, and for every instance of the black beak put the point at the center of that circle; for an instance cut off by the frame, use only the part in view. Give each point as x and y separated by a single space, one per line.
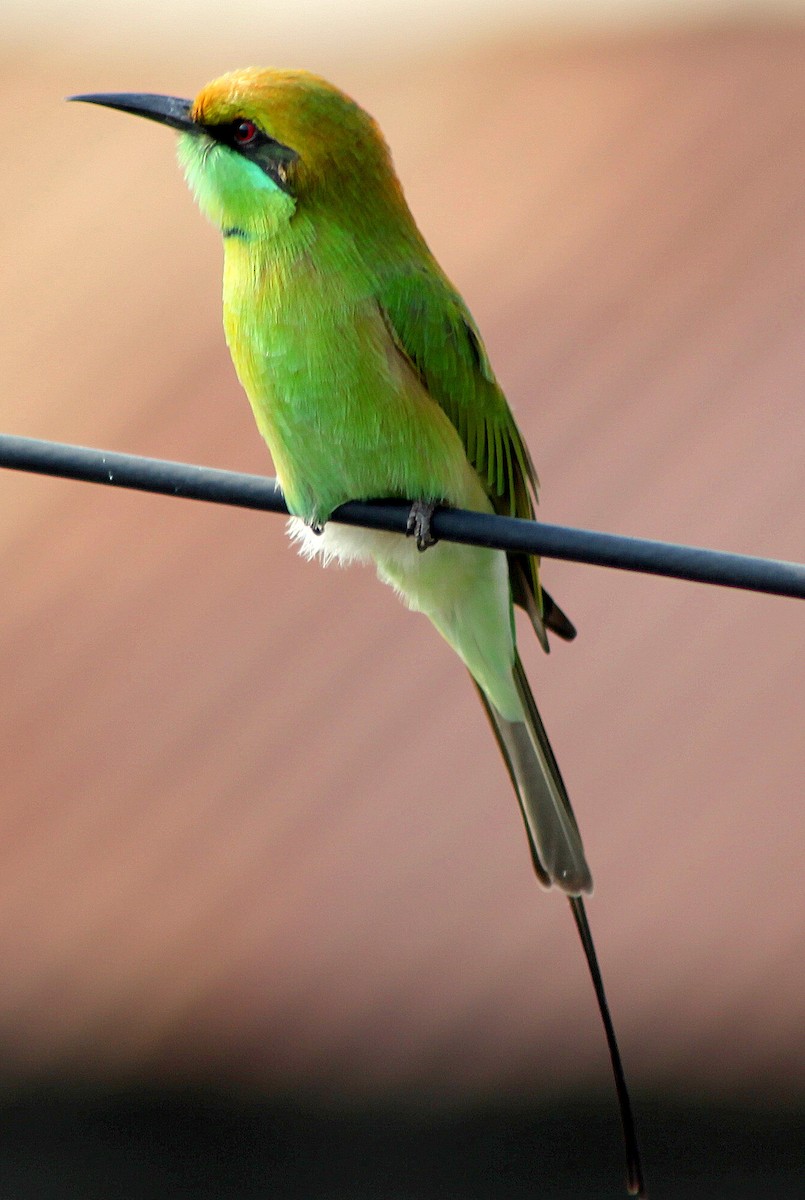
168 110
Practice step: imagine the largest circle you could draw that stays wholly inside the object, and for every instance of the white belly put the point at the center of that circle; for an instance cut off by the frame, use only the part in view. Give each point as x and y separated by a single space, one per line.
463 589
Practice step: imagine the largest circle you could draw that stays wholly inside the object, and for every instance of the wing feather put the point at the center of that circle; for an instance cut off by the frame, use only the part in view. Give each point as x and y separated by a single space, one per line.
432 327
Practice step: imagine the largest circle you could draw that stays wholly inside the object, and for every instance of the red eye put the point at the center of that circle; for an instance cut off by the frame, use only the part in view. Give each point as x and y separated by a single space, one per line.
244 133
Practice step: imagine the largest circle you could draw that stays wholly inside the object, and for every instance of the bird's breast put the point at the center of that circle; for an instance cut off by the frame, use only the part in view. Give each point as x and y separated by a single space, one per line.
343 413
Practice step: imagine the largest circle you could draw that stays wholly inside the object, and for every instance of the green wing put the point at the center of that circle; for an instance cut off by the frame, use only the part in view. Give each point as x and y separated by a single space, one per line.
432 327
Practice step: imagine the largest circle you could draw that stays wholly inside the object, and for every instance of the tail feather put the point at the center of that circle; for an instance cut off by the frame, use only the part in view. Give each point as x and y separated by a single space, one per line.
558 857
556 847
494 718
635 1181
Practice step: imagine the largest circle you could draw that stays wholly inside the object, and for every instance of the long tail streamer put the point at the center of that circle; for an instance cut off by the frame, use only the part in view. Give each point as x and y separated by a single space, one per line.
635 1181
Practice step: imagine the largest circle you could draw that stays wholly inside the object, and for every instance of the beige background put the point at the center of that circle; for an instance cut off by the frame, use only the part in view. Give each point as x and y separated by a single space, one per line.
253 826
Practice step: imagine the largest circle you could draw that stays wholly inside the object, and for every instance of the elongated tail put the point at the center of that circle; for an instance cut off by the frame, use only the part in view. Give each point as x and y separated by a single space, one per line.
553 834
635 1181
558 857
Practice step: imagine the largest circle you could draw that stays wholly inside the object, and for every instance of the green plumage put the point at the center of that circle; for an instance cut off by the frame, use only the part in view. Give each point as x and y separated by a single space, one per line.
368 379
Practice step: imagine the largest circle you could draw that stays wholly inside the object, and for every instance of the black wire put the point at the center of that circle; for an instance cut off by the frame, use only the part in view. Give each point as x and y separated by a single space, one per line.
456 525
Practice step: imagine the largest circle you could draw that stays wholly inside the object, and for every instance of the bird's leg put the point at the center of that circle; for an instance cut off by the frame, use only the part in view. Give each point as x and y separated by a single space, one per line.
418 526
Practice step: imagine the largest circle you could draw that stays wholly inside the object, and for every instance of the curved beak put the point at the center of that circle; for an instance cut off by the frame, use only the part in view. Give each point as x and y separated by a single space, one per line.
167 110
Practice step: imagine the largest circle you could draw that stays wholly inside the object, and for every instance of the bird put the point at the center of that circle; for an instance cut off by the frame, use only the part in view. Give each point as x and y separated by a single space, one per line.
369 379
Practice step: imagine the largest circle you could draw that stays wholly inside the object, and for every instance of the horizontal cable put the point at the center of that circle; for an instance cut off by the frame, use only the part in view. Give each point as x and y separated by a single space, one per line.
453 525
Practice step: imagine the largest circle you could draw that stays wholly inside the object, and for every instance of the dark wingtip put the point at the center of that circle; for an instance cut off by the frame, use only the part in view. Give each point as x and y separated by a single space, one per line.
555 619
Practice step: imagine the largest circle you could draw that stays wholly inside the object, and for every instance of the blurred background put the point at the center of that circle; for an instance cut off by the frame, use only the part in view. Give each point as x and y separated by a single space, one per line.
267 917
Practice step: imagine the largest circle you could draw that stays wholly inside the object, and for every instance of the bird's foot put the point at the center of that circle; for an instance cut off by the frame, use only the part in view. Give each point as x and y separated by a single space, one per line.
316 527
418 525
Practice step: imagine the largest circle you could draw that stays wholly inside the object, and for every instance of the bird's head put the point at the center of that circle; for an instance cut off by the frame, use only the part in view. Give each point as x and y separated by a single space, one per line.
259 145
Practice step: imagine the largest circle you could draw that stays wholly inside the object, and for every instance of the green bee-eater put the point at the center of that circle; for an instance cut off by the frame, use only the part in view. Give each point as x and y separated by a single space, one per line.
368 379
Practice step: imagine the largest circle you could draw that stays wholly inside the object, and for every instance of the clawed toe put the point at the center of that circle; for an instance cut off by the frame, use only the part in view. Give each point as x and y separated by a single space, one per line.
419 522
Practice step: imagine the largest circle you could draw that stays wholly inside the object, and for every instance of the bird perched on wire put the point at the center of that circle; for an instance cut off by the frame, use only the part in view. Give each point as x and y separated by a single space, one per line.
368 379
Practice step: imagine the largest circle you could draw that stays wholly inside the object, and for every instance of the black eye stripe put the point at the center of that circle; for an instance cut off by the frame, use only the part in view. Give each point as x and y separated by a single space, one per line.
267 153
231 133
